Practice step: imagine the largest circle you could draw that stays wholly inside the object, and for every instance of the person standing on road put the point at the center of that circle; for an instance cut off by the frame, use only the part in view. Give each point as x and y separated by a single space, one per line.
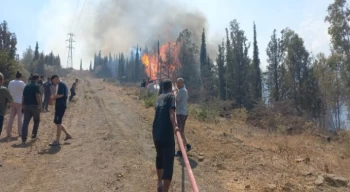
47 94
31 102
164 128
72 92
60 108
182 112
41 84
16 88
5 97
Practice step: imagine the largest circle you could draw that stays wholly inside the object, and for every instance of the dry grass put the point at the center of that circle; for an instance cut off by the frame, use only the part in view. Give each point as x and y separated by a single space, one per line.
237 155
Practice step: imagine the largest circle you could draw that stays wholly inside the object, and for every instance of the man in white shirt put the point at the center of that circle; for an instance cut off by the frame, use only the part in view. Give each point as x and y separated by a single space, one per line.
16 87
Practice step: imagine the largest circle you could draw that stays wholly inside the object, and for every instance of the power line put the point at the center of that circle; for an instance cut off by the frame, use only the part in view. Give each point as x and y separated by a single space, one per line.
80 14
70 29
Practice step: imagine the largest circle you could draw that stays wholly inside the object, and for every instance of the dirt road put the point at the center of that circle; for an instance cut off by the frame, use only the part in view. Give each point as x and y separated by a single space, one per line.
112 150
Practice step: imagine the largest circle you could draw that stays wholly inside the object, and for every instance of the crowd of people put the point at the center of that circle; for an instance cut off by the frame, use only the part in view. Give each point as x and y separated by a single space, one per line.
28 101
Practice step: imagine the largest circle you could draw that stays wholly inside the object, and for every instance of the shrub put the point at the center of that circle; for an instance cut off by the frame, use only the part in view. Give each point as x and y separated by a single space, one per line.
150 100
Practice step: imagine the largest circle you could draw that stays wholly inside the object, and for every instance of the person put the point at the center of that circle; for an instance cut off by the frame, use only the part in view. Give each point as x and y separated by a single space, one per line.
5 97
143 83
47 94
72 92
60 108
164 128
150 87
182 112
31 102
41 83
16 88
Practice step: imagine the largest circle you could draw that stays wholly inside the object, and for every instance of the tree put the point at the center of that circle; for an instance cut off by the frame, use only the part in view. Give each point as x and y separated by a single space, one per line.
36 52
256 72
274 58
8 41
81 65
188 51
27 59
90 68
121 67
221 70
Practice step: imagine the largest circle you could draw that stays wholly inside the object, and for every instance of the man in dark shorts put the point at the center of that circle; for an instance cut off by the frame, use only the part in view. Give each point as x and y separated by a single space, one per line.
164 128
182 112
60 108
31 102
72 91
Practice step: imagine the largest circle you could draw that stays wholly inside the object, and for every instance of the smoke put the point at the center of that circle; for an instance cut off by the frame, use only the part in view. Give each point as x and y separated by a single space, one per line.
116 26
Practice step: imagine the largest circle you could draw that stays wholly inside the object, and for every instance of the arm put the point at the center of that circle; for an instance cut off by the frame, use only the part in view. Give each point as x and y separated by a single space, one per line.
173 119
8 96
38 99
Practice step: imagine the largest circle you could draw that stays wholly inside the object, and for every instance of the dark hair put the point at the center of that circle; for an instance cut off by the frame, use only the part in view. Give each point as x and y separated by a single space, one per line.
54 76
18 75
167 85
35 77
42 77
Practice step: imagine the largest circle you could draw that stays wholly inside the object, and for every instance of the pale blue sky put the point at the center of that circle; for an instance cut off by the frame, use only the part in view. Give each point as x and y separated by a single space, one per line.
306 17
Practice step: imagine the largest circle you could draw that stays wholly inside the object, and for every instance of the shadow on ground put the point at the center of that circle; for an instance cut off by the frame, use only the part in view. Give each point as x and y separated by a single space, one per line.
50 150
8 139
24 145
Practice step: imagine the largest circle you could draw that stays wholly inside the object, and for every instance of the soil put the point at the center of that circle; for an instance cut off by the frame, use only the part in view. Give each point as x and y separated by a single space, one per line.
112 150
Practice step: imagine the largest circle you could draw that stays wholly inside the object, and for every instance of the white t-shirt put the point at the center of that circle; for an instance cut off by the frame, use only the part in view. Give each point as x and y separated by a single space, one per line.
16 88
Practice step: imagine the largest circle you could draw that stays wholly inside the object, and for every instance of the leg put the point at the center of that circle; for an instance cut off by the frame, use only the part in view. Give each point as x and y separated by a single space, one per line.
58 133
46 102
36 116
168 162
184 119
19 119
11 119
59 112
1 122
27 117
159 162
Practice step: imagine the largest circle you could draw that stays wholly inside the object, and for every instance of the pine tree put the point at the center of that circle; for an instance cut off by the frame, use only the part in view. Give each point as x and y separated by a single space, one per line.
221 70
203 58
256 75
81 65
137 65
36 52
275 57
90 68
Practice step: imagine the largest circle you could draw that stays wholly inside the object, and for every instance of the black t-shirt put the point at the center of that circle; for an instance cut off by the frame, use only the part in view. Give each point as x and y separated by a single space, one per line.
47 89
162 127
62 90
29 93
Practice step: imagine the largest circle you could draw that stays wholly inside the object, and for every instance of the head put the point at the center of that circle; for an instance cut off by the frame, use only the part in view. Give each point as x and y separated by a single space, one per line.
55 79
35 78
19 75
180 83
167 85
1 79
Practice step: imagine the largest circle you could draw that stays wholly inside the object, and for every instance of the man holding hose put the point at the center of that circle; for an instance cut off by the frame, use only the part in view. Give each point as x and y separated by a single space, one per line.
164 129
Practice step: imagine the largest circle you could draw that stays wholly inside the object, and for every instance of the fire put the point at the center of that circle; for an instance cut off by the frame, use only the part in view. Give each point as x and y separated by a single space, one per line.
168 61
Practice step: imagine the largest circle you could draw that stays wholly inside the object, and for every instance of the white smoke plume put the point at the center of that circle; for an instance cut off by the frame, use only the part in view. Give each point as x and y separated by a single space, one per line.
114 26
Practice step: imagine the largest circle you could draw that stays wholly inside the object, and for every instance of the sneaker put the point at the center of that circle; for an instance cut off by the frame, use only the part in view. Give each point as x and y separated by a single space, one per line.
188 147
55 144
178 154
160 188
68 137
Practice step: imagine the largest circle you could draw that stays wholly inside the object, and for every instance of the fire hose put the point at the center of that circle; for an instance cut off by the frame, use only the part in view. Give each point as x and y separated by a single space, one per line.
187 163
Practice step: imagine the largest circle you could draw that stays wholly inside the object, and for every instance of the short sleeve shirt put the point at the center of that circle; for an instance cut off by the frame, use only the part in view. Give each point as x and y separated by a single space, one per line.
162 127
47 86
5 97
62 90
29 93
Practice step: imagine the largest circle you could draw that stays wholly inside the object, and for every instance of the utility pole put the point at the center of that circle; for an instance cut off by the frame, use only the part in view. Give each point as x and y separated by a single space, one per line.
70 50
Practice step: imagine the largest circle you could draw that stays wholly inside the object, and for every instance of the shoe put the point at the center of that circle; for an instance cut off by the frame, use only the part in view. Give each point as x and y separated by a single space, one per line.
160 188
188 147
33 137
178 154
68 137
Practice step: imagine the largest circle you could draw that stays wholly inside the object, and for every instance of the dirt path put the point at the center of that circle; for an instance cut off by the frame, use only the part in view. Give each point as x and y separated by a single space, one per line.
112 150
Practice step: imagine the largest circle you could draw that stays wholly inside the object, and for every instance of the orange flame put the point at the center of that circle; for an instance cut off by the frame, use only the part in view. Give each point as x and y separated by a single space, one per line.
168 68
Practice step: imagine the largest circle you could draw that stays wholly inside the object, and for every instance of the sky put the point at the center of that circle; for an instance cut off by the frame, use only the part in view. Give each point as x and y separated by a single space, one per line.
49 21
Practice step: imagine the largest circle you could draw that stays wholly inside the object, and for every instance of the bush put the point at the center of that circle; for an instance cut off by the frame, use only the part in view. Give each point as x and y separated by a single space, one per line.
150 100
203 112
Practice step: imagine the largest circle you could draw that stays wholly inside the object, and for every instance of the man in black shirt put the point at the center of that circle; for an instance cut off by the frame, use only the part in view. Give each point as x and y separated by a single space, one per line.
60 108
47 94
31 102
164 128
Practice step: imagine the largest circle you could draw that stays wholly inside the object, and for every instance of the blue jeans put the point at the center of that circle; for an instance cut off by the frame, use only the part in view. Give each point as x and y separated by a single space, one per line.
1 122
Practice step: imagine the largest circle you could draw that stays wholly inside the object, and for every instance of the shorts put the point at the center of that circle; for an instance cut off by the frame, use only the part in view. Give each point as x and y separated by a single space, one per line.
181 122
165 159
59 113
